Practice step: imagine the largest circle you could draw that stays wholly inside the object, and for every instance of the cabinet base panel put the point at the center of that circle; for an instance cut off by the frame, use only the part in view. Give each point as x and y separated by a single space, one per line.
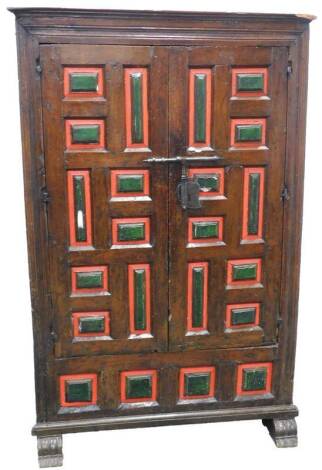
282 431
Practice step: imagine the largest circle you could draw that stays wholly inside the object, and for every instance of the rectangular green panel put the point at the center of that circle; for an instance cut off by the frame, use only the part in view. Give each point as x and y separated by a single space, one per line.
250 82
85 133
197 297
89 280
243 272
92 324
208 182
80 390
83 81
241 316
205 229
253 203
248 133
254 379
139 386
140 299
137 107
200 93
197 384
130 183
130 232
80 208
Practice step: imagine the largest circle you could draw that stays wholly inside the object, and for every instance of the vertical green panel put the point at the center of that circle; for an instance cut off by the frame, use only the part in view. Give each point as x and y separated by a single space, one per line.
89 280
78 391
250 82
197 384
80 208
139 387
137 107
253 203
197 297
200 92
85 133
140 299
83 81
254 379
242 272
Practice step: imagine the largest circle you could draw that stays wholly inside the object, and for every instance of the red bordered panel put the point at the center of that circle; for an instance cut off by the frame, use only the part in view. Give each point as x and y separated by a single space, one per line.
205 193
137 374
68 93
255 280
146 295
248 122
253 366
203 326
197 370
231 307
102 289
99 145
84 215
145 221
77 316
130 143
206 143
249 71
76 378
211 240
115 174
247 204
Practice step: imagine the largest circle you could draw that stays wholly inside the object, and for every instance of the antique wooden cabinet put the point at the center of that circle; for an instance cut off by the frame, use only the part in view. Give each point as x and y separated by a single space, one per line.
163 164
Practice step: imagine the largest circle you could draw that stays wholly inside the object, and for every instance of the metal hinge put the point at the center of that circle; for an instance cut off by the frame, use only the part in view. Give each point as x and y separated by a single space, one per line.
38 66
285 195
289 69
278 328
45 197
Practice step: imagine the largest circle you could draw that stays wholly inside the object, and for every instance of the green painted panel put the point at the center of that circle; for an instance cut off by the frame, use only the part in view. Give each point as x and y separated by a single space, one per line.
92 324
253 203
197 297
248 132
130 183
137 107
241 316
85 133
80 390
205 229
243 272
130 232
140 299
200 92
89 280
197 384
83 81
139 386
254 379
208 182
250 82
80 208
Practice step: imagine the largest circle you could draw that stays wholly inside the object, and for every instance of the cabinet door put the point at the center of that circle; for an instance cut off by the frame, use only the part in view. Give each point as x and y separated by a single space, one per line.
225 258
105 110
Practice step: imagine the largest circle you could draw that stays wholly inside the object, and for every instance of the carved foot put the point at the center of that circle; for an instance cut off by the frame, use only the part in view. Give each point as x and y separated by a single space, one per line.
282 431
50 451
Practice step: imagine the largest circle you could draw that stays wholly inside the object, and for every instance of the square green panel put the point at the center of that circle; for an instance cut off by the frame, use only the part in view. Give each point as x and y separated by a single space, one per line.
130 183
92 324
205 229
139 386
241 316
130 232
197 384
89 280
248 132
85 133
250 82
244 272
78 391
254 379
208 182
83 81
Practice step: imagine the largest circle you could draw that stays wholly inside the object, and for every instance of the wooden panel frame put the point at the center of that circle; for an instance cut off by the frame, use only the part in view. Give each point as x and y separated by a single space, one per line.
245 235
131 269
251 70
257 365
76 316
206 145
250 145
210 194
68 94
64 378
97 291
203 327
230 307
83 147
244 283
146 183
71 208
137 373
212 384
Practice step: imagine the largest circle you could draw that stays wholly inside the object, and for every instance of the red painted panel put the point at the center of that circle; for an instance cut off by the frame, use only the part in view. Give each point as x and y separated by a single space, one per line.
191 220
231 307
128 107
203 171
137 373
245 234
250 94
192 74
247 282
259 365
62 382
76 316
203 265
146 185
84 94
196 370
93 146
82 269
131 220
235 122
131 269
71 208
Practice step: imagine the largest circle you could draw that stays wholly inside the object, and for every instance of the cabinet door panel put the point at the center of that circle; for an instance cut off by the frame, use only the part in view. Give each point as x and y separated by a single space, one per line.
105 111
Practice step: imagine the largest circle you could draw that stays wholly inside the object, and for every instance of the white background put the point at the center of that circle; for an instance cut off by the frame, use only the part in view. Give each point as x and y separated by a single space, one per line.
224 445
